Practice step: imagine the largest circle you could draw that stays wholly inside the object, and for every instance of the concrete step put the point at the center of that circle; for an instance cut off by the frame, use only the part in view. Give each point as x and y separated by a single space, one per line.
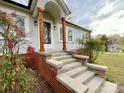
62 57
71 84
59 64
73 73
69 60
95 85
59 54
109 88
85 77
70 66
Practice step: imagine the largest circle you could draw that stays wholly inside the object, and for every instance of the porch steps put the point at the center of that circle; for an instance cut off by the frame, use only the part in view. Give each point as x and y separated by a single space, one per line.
74 72
62 57
73 85
70 66
62 63
85 77
59 54
109 87
69 60
95 85
78 78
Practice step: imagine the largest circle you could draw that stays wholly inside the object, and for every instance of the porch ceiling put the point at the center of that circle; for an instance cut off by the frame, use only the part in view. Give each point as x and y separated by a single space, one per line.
53 9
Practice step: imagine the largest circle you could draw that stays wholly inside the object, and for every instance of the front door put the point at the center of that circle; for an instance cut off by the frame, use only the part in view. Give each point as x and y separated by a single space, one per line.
47 35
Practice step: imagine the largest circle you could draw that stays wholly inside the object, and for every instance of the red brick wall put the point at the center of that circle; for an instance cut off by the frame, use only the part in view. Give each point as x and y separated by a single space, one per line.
49 73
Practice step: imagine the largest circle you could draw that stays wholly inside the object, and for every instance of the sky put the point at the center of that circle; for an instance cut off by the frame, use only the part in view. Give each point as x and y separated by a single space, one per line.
100 16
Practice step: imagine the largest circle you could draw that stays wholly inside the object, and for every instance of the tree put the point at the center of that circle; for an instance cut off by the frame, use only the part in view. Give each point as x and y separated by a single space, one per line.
117 40
113 39
91 47
104 40
121 41
14 77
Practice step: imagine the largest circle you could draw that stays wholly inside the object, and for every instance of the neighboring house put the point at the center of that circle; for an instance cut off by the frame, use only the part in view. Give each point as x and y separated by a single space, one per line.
45 23
111 47
114 48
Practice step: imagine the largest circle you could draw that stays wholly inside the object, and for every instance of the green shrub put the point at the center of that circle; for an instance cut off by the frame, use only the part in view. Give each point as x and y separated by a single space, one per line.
14 76
91 47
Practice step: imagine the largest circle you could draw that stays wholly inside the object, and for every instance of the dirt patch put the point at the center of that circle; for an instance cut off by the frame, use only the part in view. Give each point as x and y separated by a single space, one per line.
42 86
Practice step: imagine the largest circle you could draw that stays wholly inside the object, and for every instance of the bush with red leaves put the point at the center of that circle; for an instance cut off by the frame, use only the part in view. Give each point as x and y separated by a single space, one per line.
14 77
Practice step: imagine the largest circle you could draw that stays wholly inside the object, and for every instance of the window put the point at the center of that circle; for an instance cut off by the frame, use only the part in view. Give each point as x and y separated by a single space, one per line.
23 2
20 22
20 3
82 36
61 34
70 37
87 36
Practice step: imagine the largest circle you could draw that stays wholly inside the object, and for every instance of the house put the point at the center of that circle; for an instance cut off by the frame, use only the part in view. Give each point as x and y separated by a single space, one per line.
66 72
45 20
115 48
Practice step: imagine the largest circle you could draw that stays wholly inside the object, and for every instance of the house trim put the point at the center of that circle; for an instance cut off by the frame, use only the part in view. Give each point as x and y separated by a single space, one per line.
64 6
77 26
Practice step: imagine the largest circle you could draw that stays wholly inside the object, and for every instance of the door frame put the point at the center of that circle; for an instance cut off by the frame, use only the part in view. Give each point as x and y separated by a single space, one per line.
47 46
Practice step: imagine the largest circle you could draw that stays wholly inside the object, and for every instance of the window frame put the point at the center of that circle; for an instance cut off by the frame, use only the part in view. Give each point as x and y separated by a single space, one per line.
60 30
71 35
18 4
83 36
24 21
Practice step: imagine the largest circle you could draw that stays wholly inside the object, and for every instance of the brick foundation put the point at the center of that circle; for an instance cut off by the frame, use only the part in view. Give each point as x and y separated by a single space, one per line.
48 73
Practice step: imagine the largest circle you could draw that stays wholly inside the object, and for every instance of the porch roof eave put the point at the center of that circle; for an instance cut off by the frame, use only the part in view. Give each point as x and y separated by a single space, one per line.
64 7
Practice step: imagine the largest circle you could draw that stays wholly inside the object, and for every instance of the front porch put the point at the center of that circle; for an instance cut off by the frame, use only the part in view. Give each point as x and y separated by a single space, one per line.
50 20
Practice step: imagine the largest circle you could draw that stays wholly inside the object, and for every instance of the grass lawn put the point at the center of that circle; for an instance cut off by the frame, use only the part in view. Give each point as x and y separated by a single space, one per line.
115 64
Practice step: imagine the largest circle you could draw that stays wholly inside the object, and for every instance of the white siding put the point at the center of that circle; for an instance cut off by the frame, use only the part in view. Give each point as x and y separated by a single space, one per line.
57 43
32 30
34 35
28 26
77 34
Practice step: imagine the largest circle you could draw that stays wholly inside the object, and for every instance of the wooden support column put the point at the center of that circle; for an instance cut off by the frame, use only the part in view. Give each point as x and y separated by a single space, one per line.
40 21
64 32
